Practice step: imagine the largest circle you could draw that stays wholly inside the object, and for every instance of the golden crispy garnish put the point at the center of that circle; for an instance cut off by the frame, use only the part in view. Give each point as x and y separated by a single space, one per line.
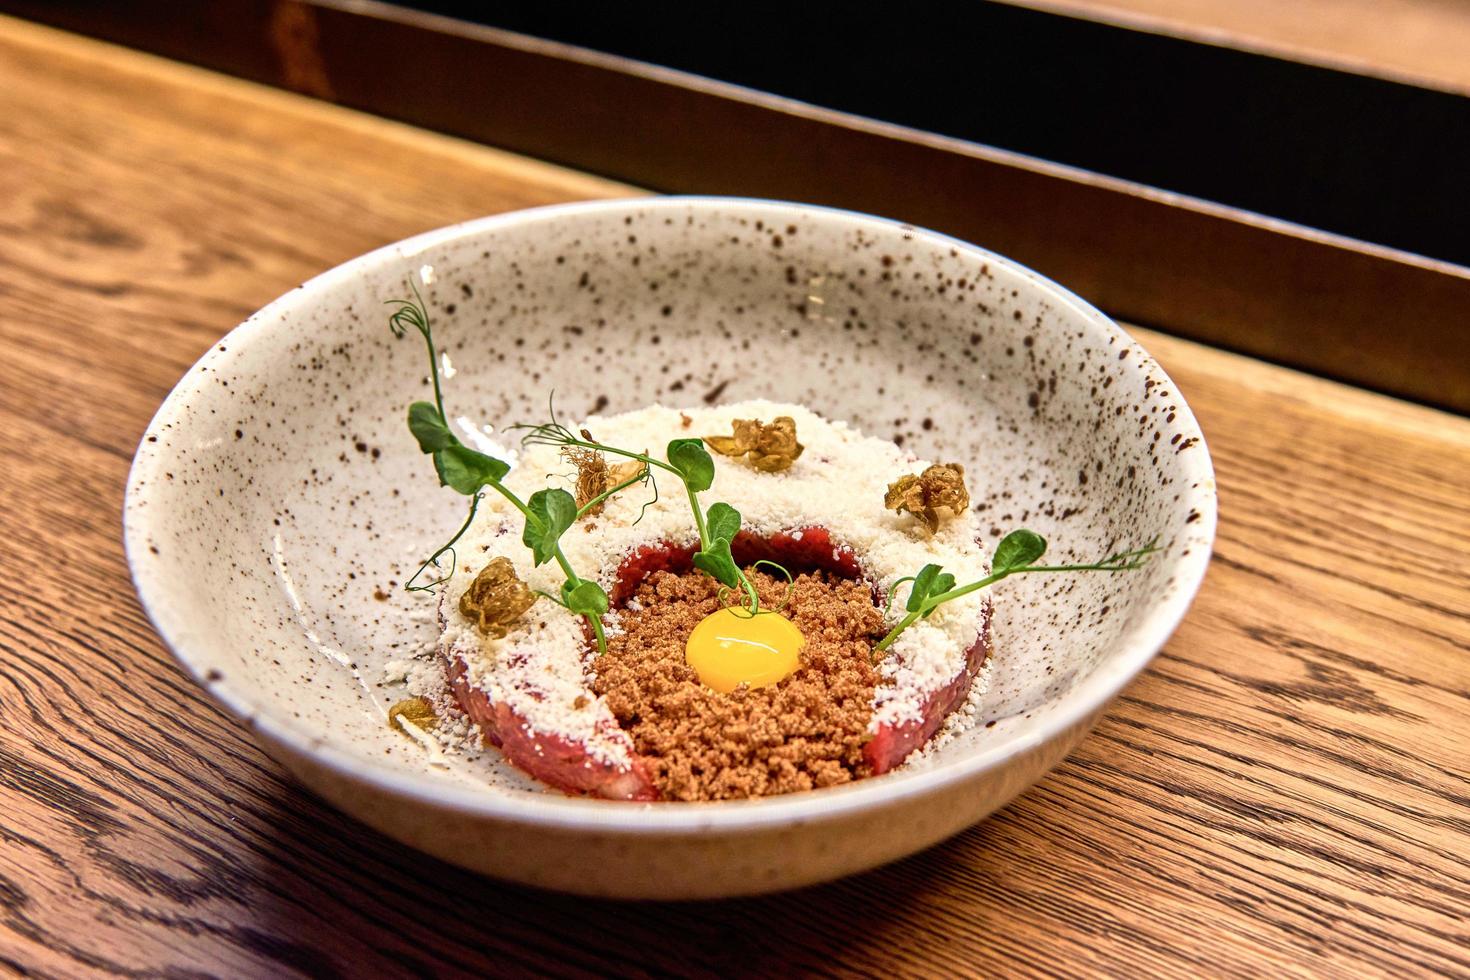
770 448
941 485
593 479
623 472
737 445
417 712
496 598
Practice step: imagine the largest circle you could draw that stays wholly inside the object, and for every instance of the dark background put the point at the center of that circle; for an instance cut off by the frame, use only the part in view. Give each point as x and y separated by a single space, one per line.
1374 161
1363 157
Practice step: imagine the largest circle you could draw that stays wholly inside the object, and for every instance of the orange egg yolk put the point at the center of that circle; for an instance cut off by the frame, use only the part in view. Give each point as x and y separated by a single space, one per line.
732 647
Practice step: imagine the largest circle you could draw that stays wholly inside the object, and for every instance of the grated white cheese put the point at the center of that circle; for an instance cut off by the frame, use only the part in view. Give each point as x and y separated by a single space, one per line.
839 482
961 720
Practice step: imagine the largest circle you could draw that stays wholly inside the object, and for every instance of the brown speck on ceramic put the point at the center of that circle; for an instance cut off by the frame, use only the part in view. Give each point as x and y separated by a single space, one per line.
280 477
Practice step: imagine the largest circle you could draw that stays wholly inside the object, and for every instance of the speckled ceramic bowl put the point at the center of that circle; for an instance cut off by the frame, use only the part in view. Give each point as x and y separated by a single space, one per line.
277 503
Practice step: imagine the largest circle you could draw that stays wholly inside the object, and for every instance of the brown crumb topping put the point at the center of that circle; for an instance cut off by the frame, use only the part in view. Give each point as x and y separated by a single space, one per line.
804 733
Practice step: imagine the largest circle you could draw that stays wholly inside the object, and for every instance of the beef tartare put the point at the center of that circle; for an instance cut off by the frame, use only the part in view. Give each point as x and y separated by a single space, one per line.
584 720
703 604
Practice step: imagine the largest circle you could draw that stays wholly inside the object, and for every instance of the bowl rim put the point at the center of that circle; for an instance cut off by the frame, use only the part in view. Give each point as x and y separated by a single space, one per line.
1074 708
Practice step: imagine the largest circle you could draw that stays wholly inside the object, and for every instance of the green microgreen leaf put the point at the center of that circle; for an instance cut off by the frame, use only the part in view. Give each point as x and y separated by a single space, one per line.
923 584
548 513
554 511
428 428
723 521
943 582
1016 554
693 463
467 470
584 597
1017 550
717 562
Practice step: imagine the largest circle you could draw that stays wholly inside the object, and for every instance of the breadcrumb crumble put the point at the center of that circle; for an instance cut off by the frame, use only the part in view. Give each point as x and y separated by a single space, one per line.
804 733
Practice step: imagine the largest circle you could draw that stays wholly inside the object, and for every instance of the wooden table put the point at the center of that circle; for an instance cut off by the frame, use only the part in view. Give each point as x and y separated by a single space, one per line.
1288 789
1420 41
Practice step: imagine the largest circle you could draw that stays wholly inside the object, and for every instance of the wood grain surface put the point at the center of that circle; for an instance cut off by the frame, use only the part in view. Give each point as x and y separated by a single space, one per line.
1285 792
1422 42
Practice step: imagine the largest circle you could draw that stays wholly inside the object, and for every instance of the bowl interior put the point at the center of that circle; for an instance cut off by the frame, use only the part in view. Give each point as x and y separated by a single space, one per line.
279 502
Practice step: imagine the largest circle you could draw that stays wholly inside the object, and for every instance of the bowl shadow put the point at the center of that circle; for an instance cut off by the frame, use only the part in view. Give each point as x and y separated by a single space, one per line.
335 897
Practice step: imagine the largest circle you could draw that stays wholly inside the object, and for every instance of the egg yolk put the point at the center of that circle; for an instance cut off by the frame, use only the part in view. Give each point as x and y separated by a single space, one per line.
731 647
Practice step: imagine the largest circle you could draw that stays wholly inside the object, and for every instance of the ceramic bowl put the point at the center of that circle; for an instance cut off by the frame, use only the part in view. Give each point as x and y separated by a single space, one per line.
277 504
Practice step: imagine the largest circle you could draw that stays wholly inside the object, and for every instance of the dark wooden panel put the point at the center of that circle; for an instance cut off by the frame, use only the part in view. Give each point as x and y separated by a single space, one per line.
1421 42
1385 320
1365 157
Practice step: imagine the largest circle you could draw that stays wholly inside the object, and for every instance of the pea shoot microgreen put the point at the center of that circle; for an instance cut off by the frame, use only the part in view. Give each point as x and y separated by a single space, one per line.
689 461
548 513
1016 554
555 511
